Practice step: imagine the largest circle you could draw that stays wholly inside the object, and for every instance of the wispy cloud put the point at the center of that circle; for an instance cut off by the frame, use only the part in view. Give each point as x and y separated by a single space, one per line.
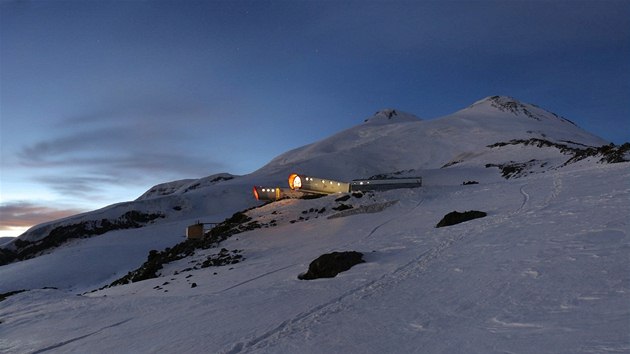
128 145
25 214
81 187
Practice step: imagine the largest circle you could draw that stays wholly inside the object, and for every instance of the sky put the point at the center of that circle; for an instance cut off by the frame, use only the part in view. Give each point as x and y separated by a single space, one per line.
100 100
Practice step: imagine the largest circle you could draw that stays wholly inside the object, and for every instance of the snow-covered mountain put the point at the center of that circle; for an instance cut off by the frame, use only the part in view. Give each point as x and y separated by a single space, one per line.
545 271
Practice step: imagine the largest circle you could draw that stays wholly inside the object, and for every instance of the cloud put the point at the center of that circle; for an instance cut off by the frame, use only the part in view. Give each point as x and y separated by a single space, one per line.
83 187
130 145
25 214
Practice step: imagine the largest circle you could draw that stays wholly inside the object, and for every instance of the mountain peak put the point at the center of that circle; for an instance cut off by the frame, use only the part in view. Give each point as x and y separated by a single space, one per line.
390 115
511 105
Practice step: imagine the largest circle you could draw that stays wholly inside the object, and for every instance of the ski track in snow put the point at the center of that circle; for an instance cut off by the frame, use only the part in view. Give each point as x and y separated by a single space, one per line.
255 278
526 198
376 228
554 193
59 345
303 321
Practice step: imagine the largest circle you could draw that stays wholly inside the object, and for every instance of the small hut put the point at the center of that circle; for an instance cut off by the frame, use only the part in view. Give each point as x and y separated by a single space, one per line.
194 232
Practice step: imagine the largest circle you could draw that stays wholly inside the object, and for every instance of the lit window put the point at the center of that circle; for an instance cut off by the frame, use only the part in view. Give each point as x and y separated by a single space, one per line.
295 182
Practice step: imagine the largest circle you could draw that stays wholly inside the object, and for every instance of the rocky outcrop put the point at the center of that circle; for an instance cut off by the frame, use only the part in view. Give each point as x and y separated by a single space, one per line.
330 264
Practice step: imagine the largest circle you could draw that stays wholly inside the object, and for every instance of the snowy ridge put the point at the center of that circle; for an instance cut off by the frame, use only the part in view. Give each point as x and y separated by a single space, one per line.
370 149
510 104
506 114
184 186
162 189
389 116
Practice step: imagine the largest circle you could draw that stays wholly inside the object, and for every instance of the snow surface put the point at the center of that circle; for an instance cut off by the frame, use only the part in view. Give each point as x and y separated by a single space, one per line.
548 270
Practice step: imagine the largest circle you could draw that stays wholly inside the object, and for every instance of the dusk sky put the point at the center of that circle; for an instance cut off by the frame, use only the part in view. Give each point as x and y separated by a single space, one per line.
100 100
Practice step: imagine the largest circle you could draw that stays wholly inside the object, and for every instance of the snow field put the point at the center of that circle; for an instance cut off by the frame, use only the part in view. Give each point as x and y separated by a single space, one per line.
546 271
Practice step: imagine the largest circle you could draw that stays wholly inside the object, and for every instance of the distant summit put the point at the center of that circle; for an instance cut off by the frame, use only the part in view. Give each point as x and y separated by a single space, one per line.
387 116
511 105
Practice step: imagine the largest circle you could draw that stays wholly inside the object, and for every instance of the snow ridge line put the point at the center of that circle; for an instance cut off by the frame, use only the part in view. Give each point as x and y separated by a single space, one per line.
386 281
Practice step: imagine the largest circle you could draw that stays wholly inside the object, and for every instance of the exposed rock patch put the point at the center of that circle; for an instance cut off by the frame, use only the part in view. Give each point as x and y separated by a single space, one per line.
224 257
607 153
330 264
456 217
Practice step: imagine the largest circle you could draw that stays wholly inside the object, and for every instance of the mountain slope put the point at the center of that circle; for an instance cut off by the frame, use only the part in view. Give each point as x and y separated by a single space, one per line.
389 142
545 271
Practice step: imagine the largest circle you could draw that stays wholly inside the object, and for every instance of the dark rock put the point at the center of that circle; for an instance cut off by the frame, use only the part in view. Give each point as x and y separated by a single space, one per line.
224 257
456 217
330 264
4 296
343 198
343 207
193 285
307 196
221 178
513 169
